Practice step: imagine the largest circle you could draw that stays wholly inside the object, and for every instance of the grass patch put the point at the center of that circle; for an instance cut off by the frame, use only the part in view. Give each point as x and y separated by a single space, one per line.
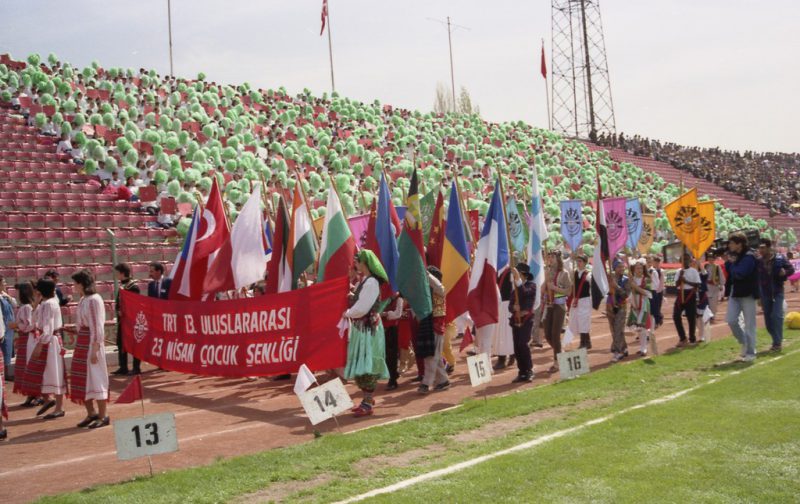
333 466
731 441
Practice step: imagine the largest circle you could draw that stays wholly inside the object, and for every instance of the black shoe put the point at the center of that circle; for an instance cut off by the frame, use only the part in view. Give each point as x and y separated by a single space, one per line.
282 377
500 364
472 353
86 421
442 386
512 360
120 372
423 389
392 385
28 402
449 369
538 345
54 415
417 379
100 422
135 372
47 406
523 378
3 434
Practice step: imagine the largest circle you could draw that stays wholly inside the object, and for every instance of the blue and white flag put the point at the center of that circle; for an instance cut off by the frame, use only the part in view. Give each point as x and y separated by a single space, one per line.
538 235
633 219
572 223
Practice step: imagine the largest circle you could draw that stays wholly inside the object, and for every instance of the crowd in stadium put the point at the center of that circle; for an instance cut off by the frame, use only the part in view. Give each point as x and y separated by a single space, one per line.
769 178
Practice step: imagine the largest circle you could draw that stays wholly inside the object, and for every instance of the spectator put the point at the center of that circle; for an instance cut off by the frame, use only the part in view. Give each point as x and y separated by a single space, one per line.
62 299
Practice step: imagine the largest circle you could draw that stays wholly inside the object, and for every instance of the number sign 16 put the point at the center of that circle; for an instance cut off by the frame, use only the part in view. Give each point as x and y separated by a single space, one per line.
572 364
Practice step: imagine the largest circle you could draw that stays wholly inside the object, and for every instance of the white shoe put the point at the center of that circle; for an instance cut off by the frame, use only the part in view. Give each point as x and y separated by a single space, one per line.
749 358
616 358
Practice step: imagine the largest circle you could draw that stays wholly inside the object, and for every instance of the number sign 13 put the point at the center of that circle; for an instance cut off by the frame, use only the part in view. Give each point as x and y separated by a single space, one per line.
142 436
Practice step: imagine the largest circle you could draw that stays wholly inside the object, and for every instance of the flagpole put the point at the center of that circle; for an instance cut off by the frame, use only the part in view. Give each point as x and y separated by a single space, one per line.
508 240
547 95
330 43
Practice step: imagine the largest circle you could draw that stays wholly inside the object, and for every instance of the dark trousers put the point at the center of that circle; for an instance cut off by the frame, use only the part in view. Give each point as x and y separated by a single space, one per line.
655 307
392 352
553 323
123 355
522 352
689 307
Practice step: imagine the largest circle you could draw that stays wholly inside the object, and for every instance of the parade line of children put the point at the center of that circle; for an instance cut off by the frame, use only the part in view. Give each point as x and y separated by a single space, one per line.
384 335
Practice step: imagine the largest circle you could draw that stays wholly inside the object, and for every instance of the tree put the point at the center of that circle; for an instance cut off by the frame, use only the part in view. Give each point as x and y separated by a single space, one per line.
443 102
465 103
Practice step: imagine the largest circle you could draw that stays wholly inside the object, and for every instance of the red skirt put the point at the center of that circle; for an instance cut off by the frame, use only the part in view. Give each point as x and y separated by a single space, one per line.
77 374
21 349
404 334
34 373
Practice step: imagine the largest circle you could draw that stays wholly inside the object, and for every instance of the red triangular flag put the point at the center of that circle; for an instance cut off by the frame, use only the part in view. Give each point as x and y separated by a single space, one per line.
466 341
133 392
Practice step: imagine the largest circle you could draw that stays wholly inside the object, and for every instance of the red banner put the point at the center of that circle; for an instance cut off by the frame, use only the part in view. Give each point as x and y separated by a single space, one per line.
265 335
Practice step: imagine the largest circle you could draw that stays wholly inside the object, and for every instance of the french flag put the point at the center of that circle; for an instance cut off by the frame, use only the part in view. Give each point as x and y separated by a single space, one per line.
181 274
491 259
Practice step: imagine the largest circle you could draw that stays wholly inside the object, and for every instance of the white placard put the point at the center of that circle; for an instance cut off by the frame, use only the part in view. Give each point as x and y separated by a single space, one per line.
325 401
148 435
480 369
574 363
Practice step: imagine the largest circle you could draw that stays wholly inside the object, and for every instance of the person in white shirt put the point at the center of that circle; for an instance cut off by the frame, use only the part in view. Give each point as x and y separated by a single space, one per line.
659 284
115 181
64 145
687 282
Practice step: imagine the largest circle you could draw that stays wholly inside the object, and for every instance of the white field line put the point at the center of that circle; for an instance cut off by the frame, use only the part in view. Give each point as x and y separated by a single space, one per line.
543 439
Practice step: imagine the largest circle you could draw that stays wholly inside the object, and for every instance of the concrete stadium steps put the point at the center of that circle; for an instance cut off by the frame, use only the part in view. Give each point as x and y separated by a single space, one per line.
729 199
72 254
103 271
71 220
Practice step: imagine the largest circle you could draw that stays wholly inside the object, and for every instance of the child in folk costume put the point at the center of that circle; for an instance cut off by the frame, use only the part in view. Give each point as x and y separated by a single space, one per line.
46 369
556 287
26 340
703 301
639 315
580 302
366 358
617 310
89 374
435 375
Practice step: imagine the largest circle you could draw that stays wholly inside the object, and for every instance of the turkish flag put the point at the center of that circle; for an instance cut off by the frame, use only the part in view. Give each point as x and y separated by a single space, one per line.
544 63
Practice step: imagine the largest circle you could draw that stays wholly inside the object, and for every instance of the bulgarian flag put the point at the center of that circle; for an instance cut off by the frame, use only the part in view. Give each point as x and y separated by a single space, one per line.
412 277
338 248
302 248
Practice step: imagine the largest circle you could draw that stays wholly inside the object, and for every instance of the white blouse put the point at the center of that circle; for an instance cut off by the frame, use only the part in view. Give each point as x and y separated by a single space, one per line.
92 315
25 319
370 290
49 319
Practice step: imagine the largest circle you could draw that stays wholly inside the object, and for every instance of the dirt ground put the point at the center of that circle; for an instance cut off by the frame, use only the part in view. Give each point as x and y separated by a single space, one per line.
221 417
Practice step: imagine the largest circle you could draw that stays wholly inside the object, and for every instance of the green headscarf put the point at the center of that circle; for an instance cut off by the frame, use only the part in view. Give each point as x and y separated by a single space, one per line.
369 258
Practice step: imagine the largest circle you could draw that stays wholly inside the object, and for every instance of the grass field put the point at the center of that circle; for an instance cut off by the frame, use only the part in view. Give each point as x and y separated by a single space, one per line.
730 441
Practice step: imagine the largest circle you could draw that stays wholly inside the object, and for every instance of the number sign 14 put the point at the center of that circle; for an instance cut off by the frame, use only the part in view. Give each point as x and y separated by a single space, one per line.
325 401
142 436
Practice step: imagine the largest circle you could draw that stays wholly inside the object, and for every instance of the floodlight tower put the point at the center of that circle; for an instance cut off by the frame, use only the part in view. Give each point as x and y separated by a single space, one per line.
581 88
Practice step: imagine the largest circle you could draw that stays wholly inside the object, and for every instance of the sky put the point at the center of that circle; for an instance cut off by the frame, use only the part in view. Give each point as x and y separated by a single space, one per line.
702 73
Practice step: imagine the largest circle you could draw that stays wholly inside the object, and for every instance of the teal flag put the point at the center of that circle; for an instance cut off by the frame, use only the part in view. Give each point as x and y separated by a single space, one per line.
517 227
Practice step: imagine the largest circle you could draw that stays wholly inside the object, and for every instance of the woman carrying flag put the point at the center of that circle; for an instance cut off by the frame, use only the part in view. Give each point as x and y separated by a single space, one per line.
366 356
639 315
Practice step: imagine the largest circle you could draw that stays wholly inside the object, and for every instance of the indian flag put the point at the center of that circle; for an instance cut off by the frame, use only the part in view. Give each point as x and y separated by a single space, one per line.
302 248
338 247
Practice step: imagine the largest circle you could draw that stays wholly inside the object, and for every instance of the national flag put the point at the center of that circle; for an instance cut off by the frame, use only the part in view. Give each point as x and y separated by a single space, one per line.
268 239
491 258
600 286
305 378
616 227
337 248
133 392
301 245
544 63
204 241
455 260
436 237
412 276
427 207
382 235
323 16
279 274
538 235
242 260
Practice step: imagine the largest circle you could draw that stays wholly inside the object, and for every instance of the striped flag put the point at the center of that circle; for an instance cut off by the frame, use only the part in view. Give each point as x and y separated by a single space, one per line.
337 248
302 248
324 16
538 235
455 260
279 273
